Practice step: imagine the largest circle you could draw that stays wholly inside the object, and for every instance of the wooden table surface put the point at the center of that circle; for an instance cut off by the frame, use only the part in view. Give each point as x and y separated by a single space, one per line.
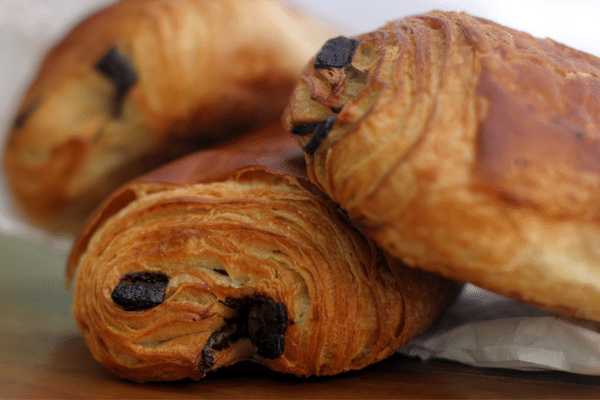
42 355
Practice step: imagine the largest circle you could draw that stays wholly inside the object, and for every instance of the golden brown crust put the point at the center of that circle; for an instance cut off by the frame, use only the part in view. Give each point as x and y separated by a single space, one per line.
253 230
196 72
266 147
468 149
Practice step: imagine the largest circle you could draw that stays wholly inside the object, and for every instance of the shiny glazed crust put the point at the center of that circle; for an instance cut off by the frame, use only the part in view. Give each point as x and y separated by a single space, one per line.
467 149
183 75
254 226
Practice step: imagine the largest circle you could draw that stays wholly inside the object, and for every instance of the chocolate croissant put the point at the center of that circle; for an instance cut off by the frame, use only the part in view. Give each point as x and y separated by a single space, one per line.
464 148
142 82
230 255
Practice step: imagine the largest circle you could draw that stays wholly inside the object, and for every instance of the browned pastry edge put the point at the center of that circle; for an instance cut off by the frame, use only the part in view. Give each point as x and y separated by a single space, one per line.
140 83
348 303
468 149
263 148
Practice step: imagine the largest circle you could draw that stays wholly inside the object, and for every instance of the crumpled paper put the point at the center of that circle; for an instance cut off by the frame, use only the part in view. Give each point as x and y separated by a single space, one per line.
480 329
484 329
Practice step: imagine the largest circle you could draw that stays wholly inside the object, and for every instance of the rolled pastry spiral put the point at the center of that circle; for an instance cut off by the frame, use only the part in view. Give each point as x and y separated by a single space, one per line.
190 269
140 83
464 148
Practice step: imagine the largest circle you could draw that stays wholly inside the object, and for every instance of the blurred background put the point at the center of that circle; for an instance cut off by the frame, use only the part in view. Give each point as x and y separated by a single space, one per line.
29 27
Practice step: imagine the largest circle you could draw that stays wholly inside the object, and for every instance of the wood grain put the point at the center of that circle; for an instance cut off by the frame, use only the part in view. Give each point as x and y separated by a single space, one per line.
43 355
43 364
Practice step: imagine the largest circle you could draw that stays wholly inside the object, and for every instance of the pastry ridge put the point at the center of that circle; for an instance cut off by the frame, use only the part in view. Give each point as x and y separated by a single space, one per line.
140 83
468 149
257 234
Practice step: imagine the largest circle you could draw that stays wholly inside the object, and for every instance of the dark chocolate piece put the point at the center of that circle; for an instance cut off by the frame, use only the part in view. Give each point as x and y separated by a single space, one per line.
259 318
207 360
140 291
264 321
26 113
116 67
267 323
305 129
321 131
336 53
219 340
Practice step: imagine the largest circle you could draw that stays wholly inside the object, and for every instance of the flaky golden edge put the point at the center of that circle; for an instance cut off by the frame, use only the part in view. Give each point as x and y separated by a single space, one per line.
363 305
207 80
462 124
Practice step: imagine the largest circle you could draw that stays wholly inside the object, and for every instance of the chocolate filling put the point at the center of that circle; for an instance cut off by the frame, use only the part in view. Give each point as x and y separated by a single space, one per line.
320 132
219 340
26 113
260 318
116 67
140 291
336 53
305 129
267 323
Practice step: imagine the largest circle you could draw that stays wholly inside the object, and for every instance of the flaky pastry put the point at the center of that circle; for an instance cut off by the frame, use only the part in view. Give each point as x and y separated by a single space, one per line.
142 82
232 255
465 148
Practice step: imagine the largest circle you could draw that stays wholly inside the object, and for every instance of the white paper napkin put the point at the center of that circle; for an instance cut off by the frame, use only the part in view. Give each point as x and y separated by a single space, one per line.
487 330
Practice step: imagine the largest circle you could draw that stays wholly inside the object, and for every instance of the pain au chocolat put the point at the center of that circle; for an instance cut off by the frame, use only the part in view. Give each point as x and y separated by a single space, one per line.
142 82
232 254
464 148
